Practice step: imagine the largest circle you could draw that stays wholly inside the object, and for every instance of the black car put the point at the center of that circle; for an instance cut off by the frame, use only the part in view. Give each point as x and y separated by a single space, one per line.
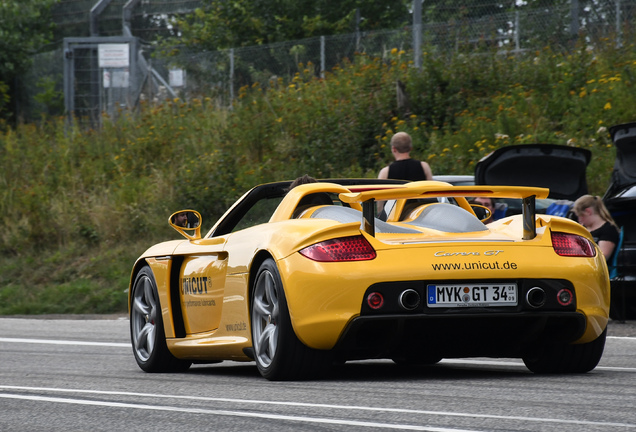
562 169
620 200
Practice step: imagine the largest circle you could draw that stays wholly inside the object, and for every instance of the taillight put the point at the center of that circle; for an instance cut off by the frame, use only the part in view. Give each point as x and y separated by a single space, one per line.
573 245
375 300
565 297
355 248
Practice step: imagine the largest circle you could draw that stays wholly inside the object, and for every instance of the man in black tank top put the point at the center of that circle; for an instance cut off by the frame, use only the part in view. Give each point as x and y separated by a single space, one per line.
405 168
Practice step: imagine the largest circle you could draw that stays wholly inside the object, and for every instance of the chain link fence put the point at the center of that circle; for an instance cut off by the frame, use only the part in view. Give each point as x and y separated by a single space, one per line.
83 18
220 74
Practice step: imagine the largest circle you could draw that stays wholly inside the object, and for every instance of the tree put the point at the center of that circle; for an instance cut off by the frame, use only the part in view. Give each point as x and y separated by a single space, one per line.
234 23
224 24
25 26
447 10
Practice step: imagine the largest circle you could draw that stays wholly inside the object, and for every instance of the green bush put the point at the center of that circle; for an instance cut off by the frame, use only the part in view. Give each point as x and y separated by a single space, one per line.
70 197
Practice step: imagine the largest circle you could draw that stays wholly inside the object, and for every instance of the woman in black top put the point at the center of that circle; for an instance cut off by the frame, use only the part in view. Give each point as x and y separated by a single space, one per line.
593 215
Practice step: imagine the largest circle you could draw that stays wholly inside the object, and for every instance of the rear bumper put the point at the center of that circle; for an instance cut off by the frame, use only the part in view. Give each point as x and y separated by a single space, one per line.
325 299
510 335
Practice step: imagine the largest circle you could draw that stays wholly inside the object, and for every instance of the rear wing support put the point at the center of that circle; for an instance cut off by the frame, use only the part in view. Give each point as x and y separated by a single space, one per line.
368 216
528 212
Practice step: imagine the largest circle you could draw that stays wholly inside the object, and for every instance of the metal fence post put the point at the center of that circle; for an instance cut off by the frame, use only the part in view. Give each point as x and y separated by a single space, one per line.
619 30
127 17
417 33
231 76
322 57
94 14
69 73
358 29
574 18
517 32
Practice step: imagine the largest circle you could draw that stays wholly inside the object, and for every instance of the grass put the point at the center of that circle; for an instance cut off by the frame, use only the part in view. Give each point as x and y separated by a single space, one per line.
92 281
78 206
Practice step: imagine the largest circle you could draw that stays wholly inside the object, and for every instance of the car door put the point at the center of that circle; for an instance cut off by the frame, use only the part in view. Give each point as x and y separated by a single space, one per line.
201 280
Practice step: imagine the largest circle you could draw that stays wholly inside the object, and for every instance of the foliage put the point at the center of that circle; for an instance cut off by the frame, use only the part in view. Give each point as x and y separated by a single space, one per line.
4 99
69 281
25 26
447 10
77 206
51 99
222 24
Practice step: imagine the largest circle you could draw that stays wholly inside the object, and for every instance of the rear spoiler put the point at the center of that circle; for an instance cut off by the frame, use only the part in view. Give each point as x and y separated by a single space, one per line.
430 189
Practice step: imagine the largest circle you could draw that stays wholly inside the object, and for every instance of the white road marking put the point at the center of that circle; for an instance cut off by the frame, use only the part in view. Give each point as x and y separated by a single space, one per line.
283 417
622 337
302 419
445 361
510 362
519 363
297 404
65 342
127 345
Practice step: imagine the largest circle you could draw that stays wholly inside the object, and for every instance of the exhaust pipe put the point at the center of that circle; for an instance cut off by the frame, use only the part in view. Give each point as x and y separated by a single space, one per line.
535 297
409 299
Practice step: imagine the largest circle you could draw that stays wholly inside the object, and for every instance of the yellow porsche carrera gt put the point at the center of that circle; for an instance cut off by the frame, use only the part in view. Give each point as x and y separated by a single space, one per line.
298 279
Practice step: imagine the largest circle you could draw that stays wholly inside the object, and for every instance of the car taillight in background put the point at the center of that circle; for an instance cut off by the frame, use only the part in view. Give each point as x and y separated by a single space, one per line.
572 245
355 248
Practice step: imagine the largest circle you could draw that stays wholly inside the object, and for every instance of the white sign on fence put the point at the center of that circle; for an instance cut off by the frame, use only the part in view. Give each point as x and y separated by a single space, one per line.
176 77
113 55
116 78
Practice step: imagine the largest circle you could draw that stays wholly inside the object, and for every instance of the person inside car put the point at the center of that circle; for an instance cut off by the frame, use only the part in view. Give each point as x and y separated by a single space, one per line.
593 215
311 200
486 202
180 219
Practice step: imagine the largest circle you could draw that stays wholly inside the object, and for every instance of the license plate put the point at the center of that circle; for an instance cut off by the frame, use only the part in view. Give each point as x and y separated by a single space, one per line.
471 295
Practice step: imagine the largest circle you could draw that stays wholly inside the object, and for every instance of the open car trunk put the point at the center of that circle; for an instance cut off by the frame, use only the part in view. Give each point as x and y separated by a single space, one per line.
560 168
620 200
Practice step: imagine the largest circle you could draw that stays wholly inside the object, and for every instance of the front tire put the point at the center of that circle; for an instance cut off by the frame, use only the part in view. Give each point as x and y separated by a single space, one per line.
278 353
553 358
146 328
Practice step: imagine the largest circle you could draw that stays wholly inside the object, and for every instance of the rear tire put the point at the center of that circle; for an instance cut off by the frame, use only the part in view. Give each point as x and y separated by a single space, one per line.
279 355
553 358
146 328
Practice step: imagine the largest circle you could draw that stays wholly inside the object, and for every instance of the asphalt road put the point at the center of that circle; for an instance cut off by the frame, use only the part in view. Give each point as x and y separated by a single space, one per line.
77 374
